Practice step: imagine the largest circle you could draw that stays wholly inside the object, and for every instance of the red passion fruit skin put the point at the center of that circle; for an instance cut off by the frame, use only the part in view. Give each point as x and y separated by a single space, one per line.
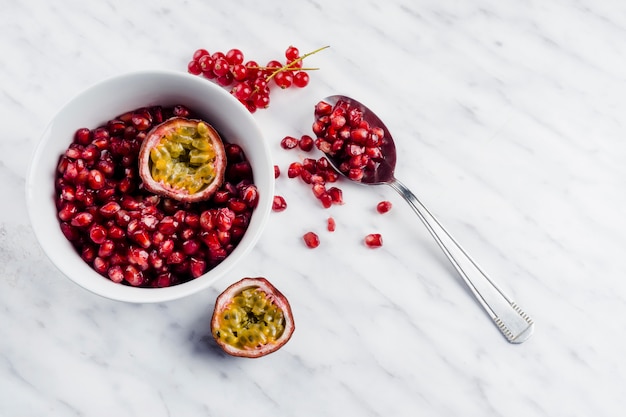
225 299
153 138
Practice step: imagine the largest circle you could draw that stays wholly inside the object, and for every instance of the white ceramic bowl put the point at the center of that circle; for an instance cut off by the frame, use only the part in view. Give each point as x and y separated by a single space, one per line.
103 102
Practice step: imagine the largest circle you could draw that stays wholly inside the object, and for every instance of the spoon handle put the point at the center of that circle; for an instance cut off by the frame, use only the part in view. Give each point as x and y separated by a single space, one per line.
514 324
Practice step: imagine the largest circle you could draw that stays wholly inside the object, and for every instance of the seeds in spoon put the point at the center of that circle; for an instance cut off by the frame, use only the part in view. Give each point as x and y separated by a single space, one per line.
343 134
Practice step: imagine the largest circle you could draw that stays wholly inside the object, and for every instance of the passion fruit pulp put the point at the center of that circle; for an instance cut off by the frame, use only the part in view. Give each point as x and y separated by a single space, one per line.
183 159
252 319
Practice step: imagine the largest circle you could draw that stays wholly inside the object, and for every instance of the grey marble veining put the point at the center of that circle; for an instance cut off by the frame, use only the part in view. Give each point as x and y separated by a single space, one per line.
509 121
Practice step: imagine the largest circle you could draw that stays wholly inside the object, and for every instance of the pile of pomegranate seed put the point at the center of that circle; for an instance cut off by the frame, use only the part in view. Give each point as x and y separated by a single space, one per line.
132 236
249 82
342 133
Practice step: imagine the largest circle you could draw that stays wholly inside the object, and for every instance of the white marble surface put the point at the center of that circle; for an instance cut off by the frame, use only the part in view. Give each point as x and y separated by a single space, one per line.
510 121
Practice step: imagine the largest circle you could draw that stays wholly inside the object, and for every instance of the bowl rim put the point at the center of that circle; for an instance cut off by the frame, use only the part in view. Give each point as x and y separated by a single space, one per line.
119 292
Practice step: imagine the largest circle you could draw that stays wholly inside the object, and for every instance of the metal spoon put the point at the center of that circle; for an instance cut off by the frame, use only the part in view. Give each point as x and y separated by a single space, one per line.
515 325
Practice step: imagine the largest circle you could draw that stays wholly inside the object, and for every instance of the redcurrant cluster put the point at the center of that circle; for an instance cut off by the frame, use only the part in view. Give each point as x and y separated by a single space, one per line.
250 83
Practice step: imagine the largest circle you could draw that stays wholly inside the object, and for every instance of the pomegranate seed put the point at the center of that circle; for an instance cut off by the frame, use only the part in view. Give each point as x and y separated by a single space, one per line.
109 209
383 207
142 238
250 195
310 165
311 240
236 205
90 153
306 176
100 265
149 221
122 218
97 234
326 200
224 219
116 274
276 171
336 195
69 232
83 136
197 267
168 225
207 221
166 248
318 190
355 174
175 258
133 276
116 232
190 247
331 225
323 108
88 254
164 279
68 211
374 240
288 142
317 179
82 219
138 256
279 203
306 143
155 260
294 170
187 233
107 248
192 220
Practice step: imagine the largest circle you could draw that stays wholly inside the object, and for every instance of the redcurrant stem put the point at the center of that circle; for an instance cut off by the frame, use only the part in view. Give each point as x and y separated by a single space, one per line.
291 65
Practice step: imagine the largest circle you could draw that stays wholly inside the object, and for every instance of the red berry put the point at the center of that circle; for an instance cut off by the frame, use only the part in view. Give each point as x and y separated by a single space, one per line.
199 53
301 79
234 56
292 53
221 67
194 68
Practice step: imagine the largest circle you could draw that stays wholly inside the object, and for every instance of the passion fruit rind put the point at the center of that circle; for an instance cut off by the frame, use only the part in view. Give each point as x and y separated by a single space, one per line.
183 159
252 319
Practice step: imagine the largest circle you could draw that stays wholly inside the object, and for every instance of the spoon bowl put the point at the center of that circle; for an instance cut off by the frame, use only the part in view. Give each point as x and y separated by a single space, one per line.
513 323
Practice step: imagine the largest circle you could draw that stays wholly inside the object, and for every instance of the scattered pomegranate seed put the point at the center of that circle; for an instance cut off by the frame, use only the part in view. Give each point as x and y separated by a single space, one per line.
289 142
279 203
330 224
383 207
311 240
276 171
374 240
306 143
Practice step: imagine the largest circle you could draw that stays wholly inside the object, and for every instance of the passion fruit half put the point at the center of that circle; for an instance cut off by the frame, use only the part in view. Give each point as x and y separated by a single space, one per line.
183 159
252 319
